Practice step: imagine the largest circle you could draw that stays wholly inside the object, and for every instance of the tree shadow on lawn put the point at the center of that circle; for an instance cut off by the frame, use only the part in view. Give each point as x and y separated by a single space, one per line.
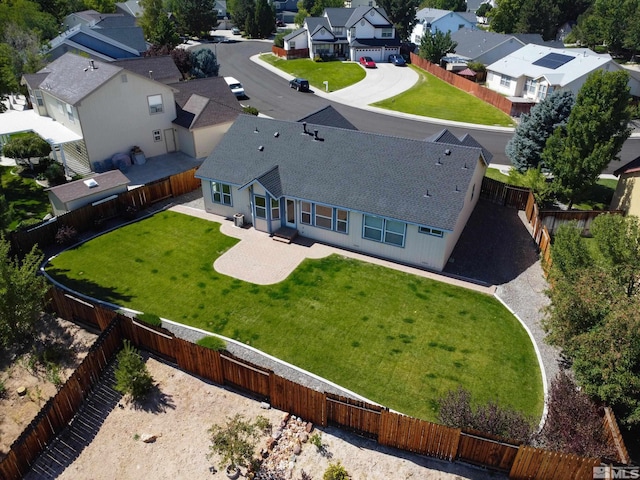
495 246
89 288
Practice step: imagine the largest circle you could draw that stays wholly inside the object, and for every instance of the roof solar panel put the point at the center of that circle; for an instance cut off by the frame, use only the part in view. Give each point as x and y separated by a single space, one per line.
553 60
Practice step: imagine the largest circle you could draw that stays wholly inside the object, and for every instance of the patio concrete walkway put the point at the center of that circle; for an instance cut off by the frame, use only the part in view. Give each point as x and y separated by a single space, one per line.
259 259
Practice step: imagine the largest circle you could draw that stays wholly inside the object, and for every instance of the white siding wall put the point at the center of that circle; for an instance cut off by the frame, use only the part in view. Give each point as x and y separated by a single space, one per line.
207 138
54 111
240 203
116 117
186 141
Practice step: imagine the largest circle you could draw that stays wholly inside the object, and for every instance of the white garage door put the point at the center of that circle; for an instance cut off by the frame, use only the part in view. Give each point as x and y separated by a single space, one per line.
375 54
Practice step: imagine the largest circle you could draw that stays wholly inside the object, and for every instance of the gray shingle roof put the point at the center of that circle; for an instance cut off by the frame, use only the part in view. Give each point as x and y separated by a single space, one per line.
163 67
410 180
78 189
330 117
473 43
361 12
338 17
204 102
71 77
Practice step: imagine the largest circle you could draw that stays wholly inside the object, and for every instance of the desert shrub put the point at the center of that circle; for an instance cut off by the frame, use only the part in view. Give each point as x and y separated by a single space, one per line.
150 319
212 343
132 376
316 440
234 442
335 471
456 410
66 235
263 424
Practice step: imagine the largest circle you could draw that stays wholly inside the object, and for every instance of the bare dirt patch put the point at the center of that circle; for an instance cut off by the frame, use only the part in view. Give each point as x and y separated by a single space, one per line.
59 349
185 407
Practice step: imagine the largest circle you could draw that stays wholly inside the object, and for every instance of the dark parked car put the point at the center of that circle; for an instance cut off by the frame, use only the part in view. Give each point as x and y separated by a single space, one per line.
367 62
300 84
397 60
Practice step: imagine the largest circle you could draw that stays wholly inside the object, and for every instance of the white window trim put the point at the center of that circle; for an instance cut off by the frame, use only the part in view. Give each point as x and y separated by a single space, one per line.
224 198
384 231
260 210
435 232
155 108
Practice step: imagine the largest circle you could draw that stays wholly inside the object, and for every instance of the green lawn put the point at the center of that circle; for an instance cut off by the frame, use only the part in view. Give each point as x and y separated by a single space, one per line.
338 74
432 97
395 338
28 199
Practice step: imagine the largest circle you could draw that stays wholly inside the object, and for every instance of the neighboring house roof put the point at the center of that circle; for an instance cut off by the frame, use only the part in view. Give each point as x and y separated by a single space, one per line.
132 7
338 17
360 13
559 66
295 33
72 77
204 102
159 68
631 167
473 43
317 24
537 39
104 44
445 136
413 181
330 117
432 15
79 189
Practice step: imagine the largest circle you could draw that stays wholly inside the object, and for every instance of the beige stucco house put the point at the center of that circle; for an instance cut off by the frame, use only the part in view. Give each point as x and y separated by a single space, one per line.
401 199
115 106
627 194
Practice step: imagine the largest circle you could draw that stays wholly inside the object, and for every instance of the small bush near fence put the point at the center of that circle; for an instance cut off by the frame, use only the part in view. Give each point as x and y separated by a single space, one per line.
150 319
212 343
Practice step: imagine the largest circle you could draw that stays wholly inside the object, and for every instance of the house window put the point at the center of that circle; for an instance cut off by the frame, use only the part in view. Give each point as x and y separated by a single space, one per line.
342 219
155 104
305 213
260 203
530 87
383 230
70 113
123 78
338 31
61 106
505 81
39 99
431 231
292 45
157 136
461 26
324 217
221 193
542 91
275 209
387 32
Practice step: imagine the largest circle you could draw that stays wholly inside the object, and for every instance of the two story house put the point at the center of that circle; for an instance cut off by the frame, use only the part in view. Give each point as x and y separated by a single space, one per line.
402 199
434 19
347 33
113 106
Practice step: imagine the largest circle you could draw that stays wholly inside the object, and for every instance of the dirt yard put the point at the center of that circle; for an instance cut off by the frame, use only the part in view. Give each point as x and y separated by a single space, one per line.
187 406
65 343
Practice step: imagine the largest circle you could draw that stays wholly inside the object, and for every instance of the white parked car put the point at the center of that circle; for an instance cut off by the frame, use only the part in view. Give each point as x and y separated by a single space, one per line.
235 86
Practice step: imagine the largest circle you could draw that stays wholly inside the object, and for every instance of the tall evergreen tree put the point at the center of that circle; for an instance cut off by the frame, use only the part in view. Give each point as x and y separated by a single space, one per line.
525 148
265 20
597 128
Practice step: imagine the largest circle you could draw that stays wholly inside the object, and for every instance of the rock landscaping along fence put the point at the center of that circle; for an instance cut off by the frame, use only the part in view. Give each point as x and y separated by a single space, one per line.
387 427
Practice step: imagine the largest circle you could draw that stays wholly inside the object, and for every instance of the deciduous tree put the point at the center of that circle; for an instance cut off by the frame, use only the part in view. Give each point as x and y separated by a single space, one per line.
402 14
152 12
26 147
434 46
451 5
22 293
524 150
597 128
197 17
204 64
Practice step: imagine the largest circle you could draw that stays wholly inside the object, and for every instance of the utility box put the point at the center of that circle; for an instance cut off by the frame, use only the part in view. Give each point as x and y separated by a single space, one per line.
238 220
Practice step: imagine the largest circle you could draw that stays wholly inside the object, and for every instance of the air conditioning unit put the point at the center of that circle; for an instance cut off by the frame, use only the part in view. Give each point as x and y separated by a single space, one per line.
238 220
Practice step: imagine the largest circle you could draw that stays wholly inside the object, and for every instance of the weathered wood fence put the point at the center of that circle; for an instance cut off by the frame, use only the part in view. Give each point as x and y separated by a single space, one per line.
91 216
377 422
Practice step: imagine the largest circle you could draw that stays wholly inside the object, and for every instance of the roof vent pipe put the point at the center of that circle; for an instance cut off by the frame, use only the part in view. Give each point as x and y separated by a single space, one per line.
315 134
151 74
304 126
93 65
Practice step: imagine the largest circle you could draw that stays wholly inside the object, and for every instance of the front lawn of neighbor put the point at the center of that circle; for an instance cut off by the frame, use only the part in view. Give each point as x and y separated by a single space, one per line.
397 339
338 74
28 199
432 97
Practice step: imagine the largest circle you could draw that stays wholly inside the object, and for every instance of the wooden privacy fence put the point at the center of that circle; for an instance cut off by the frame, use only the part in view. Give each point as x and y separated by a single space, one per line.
91 216
61 408
506 195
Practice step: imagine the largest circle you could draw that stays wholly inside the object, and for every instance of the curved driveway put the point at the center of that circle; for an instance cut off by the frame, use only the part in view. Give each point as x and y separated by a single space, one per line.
270 94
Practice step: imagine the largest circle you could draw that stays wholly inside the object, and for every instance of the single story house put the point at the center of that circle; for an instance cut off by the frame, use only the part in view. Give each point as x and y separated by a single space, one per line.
113 106
477 45
627 194
98 188
401 199
347 33
433 19
534 71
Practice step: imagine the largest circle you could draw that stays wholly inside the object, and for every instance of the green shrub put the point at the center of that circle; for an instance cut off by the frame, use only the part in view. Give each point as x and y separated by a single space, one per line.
477 66
150 319
233 442
335 472
212 343
132 376
66 235
250 110
54 174
316 440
